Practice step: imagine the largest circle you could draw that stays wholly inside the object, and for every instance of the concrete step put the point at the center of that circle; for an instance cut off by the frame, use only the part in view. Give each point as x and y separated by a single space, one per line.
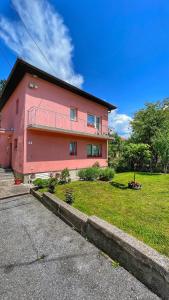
6 175
8 182
6 178
5 170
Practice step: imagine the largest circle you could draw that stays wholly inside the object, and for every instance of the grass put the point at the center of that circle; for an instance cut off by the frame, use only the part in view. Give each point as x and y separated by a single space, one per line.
143 213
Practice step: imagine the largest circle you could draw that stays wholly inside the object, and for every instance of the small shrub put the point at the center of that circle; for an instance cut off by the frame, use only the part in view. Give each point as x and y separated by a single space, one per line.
65 176
41 183
96 165
82 173
52 184
106 174
69 197
89 174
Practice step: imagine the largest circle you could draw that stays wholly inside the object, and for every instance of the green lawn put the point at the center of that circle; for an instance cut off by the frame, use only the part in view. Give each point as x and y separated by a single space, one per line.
143 213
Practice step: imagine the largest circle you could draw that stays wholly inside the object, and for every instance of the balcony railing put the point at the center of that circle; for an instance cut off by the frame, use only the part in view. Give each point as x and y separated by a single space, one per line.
41 117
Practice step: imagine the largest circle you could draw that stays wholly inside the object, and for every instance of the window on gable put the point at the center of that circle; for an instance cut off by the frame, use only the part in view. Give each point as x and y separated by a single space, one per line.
17 106
73 148
73 114
94 150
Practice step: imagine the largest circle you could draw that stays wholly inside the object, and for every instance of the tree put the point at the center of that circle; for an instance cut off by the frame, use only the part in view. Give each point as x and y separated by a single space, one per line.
136 155
115 150
161 144
2 84
147 122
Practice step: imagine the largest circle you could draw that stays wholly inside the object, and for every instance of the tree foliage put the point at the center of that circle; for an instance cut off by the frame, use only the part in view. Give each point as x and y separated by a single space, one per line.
161 144
149 142
147 122
137 155
115 150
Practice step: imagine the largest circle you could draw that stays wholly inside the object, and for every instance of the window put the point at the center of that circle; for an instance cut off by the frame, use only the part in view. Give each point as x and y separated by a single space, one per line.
94 150
17 106
73 114
15 144
73 148
98 122
93 121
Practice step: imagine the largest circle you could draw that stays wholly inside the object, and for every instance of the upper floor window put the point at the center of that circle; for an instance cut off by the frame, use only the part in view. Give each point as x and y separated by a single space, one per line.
73 114
93 121
94 150
73 148
17 106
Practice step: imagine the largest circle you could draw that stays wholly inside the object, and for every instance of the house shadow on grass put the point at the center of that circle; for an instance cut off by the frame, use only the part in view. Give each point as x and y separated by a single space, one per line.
118 185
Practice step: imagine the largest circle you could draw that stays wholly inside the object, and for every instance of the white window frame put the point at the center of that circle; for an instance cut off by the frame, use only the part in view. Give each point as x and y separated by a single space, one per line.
75 109
95 121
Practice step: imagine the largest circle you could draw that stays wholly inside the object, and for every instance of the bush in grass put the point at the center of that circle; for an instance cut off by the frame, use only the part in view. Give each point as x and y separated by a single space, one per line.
82 173
106 174
52 184
41 183
89 174
69 197
65 176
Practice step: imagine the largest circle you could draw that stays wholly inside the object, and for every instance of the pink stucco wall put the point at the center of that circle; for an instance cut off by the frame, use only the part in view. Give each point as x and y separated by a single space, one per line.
40 151
11 120
50 152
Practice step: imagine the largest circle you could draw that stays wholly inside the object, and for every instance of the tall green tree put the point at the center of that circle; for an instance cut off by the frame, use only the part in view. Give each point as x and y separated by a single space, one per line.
147 122
161 144
115 150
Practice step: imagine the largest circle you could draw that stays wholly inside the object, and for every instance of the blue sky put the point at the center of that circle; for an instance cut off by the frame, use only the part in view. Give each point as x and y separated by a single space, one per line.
121 48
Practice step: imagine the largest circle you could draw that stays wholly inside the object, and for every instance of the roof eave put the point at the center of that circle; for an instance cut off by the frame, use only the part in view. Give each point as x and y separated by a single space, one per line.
25 67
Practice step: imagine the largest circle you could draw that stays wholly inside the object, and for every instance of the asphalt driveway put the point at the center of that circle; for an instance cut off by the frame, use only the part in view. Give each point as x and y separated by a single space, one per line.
43 258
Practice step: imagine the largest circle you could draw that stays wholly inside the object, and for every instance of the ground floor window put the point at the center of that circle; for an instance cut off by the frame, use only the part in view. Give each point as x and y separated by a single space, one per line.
94 150
73 148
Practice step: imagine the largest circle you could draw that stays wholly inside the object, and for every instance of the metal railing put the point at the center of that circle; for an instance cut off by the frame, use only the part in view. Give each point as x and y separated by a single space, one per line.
44 117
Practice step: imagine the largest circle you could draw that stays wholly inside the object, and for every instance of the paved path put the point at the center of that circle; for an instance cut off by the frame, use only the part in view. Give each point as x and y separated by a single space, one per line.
43 258
7 186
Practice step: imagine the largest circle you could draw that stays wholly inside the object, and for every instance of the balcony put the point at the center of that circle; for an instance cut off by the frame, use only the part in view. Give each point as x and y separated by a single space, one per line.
51 121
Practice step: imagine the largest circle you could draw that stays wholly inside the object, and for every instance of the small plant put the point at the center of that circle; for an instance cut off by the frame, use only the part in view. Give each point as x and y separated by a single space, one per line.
106 174
41 183
69 197
96 165
52 184
115 264
89 174
65 176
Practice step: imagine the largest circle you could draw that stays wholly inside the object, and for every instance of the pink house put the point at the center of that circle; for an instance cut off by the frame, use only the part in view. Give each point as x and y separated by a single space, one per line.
47 124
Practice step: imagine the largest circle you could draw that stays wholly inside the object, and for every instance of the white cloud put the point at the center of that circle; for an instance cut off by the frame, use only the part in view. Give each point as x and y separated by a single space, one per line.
47 28
120 123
